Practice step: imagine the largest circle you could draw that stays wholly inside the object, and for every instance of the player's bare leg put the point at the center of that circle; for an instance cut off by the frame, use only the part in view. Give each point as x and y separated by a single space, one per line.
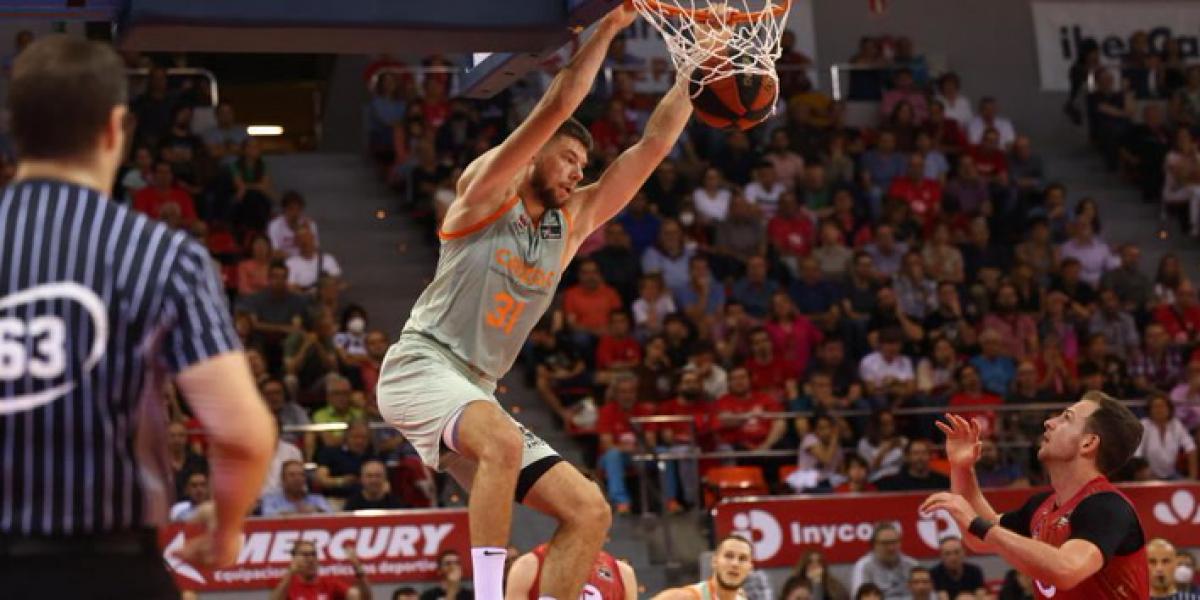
583 519
486 435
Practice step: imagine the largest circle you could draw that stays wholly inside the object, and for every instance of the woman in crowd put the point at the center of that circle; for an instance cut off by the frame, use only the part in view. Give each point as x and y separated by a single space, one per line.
813 569
1167 278
1164 438
252 270
883 446
1181 187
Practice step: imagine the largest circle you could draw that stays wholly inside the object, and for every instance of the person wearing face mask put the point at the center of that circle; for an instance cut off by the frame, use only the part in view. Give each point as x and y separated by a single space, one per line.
1185 572
352 335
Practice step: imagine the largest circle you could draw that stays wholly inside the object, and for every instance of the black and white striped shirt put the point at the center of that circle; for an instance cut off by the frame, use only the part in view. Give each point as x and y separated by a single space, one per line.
97 305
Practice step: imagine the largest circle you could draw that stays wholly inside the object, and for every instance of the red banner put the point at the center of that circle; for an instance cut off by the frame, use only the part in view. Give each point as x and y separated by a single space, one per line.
392 545
840 526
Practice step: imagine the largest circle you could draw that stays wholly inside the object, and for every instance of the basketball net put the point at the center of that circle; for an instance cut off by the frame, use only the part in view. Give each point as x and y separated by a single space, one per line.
713 39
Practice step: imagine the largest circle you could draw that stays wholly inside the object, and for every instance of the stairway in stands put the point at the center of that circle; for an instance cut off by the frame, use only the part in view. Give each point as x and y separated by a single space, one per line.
387 263
1124 216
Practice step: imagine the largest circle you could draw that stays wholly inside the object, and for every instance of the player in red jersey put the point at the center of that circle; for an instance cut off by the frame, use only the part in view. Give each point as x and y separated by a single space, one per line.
1080 541
609 579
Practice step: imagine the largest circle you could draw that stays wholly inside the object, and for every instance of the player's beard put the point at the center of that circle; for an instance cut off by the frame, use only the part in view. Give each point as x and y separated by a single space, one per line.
727 585
543 191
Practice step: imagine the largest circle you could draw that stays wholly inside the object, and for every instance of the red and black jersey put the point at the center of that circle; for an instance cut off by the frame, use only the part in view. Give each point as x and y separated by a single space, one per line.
604 582
1102 515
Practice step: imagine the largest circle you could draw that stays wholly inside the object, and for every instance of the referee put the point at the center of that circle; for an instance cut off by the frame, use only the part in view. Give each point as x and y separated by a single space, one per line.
98 305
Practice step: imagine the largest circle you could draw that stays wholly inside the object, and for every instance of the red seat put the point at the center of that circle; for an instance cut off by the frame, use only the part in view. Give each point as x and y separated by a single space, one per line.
732 482
787 470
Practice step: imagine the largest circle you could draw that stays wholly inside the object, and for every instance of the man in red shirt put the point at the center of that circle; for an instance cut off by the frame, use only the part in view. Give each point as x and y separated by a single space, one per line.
1181 318
617 350
971 393
151 199
769 373
990 160
610 578
1082 540
304 581
790 231
681 478
924 196
737 416
589 303
618 438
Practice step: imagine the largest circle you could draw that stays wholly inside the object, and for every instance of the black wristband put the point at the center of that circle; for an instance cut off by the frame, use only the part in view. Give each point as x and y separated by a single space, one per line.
980 527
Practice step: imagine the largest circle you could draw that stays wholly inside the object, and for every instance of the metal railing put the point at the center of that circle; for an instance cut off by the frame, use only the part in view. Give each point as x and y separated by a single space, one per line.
177 73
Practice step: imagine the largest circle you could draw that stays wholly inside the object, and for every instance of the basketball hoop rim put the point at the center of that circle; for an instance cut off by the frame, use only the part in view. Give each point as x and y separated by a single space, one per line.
778 8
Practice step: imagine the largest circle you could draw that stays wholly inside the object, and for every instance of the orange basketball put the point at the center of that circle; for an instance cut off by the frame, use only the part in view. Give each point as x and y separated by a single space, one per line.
738 101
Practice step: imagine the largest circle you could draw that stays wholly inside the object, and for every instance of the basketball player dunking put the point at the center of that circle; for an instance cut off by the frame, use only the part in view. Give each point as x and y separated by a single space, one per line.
517 220
609 579
1080 541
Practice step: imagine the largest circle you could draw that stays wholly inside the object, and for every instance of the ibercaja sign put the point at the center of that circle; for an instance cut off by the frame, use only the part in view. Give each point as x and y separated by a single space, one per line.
393 546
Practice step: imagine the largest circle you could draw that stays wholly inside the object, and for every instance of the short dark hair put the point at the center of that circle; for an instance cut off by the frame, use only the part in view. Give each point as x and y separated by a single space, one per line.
881 527
867 589
291 197
404 591
62 94
572 128
918 569
302 542
1119 430
854 459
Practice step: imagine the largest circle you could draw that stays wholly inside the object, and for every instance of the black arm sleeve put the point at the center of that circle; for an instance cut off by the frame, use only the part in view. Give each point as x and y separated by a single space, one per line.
1019 520
1109 522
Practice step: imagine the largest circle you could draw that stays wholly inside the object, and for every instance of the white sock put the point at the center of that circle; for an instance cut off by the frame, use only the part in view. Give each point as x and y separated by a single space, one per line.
488 576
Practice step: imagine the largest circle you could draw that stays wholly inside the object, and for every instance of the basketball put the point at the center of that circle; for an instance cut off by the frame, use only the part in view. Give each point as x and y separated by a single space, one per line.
740 100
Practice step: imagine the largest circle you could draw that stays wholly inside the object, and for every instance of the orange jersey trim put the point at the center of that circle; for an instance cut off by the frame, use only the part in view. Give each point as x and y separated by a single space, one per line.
488 220
562 261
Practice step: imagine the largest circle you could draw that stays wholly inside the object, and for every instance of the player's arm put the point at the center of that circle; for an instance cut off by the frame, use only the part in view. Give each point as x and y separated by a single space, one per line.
488 176
628 580
222 395
520 578
601 201
962 450
1063 567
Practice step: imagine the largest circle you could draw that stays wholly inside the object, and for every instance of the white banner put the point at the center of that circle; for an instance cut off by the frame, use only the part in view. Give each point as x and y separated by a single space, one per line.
1060 27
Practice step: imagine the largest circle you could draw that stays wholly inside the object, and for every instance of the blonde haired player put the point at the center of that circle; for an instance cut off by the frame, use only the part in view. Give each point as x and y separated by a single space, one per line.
732 563
518 219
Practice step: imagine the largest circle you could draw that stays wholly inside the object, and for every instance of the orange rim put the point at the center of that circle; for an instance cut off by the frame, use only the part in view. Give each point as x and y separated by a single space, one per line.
732 16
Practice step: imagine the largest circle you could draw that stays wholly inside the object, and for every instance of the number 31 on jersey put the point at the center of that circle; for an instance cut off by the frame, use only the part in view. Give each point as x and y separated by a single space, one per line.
506 312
